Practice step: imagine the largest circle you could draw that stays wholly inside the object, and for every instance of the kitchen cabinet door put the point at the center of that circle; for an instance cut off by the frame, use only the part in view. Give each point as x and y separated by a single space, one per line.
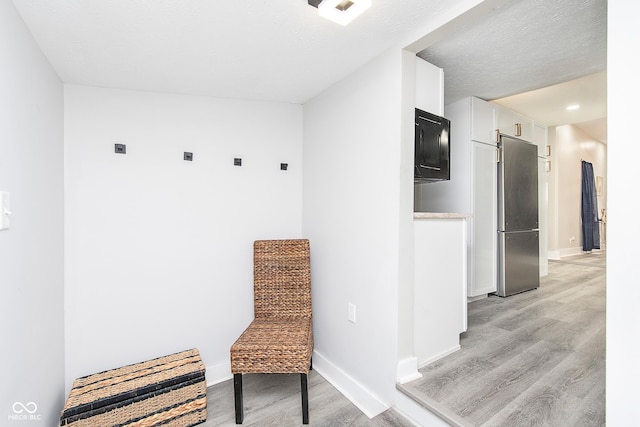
482 119
514 124
543 200
483 233
523 127
440 277
504 120
540 139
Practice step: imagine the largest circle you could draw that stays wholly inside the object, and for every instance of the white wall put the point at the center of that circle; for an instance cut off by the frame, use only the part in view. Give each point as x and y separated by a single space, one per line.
31 250
158 249
623 290
407 361
570 145
352 137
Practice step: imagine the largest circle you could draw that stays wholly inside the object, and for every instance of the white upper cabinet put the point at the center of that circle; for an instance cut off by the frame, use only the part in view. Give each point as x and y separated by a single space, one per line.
429 87
504 120
514 124
482 119
523 127
540 139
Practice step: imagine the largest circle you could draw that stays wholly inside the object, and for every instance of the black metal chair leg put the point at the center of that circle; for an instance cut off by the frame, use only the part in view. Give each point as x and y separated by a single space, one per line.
311 364
305 398
237 393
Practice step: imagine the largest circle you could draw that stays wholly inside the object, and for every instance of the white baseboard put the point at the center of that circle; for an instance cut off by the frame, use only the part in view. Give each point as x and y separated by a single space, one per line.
425 362
358 394
565 252
553 255
408 370
218 373
576 250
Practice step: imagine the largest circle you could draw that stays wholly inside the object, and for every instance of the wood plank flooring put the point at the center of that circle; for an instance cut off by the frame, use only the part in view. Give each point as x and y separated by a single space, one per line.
532 359
274 400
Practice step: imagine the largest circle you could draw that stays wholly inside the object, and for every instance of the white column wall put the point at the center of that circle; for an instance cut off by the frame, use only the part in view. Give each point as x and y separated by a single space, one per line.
352 137
159 249
623 290
31 250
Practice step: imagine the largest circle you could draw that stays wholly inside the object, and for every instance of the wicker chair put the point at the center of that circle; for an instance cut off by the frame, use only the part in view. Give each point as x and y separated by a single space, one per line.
280 338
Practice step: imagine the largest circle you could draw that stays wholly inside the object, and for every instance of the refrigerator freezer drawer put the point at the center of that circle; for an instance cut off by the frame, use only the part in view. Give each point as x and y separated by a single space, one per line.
518 264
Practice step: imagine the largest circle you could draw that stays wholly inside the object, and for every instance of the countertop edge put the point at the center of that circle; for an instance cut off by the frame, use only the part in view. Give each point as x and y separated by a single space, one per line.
440 215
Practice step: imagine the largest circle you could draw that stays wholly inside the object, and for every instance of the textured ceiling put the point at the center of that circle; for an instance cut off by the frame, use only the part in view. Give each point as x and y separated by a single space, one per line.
521 46
249 49
535 57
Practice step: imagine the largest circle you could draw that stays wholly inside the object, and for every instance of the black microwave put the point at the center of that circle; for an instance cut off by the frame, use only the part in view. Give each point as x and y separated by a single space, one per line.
432 151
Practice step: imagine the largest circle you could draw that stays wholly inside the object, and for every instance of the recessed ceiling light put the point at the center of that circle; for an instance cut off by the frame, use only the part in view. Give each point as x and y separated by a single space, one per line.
341 11
572 107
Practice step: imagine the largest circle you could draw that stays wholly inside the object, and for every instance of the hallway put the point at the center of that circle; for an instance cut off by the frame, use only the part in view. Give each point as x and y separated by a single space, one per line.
536 358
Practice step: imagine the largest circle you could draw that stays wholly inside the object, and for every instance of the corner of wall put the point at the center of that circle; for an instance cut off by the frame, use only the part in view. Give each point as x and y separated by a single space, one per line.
353 390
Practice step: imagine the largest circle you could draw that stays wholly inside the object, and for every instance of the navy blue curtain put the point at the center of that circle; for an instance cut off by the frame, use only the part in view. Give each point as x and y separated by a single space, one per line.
589 211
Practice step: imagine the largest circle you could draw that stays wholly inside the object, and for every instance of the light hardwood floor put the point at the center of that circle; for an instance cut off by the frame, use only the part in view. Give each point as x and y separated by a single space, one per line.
274 400
533 359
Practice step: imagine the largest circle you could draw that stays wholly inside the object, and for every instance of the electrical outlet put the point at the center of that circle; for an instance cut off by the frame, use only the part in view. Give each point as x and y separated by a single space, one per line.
237 161
284 166
121 149
352 313
188 156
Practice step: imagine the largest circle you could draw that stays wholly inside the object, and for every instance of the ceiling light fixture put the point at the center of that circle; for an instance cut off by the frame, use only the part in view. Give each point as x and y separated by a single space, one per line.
572 107
340 11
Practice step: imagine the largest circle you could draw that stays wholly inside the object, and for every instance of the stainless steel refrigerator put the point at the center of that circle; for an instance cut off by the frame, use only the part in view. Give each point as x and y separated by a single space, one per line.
518 233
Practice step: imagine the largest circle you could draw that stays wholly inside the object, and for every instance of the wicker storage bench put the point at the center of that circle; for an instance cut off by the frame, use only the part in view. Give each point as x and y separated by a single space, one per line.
167 391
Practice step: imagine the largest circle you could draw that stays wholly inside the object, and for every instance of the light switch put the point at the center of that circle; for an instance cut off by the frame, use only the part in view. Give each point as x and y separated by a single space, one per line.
5 210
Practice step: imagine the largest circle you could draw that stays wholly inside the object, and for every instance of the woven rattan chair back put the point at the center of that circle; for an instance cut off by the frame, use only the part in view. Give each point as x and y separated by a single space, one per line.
280 338
281 279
